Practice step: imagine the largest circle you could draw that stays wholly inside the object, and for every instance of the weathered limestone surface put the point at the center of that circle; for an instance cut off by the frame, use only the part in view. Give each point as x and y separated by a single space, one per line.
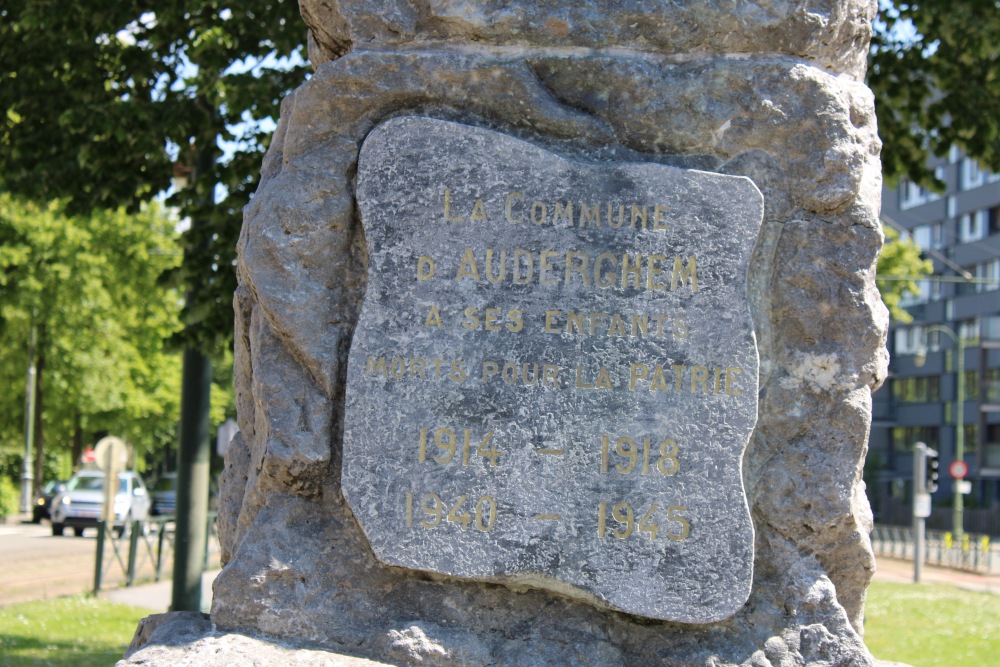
595 385
189 639
833 33
767 90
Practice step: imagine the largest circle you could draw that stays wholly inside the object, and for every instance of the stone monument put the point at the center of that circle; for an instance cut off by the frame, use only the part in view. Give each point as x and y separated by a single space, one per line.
556 336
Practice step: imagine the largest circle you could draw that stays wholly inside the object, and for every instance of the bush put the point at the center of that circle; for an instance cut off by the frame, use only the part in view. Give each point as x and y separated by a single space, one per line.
10 497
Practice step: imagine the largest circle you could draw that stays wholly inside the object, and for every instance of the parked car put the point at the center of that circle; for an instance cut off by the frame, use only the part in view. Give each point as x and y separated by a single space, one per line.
79 505
43 502
164 494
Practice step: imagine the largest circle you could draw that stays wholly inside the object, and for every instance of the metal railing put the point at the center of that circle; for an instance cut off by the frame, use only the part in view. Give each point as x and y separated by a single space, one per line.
973 553
143 548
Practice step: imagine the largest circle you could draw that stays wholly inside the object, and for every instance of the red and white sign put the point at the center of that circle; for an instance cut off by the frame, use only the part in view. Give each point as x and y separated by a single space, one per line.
88 456
958 469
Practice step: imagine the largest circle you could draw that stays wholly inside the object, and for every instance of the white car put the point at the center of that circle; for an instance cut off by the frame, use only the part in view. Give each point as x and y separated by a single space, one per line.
79 505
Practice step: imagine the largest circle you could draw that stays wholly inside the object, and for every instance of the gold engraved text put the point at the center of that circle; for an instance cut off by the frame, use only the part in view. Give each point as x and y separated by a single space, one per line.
397 368
528 374
665 460
655 272
434 511
627 522
446 445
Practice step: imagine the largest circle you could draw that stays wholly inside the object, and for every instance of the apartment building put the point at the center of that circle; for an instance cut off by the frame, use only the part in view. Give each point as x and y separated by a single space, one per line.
957 310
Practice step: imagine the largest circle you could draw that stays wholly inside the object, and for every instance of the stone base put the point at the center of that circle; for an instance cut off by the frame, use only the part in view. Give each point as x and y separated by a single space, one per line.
190 638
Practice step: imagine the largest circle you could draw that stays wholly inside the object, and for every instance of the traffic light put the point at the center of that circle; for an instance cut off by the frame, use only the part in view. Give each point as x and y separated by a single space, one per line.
931 474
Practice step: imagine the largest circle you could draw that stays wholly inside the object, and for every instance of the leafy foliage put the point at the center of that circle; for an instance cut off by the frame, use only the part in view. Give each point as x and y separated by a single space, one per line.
89 288
10 498
935 71
99 100
898 267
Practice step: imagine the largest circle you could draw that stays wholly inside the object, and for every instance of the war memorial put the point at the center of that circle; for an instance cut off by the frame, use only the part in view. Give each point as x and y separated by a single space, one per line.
557 329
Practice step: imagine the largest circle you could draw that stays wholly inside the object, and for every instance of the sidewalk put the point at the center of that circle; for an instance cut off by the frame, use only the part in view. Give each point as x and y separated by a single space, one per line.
156 596
901 571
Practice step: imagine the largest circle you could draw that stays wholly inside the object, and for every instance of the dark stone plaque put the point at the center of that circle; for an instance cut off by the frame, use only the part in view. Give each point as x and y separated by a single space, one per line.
554 375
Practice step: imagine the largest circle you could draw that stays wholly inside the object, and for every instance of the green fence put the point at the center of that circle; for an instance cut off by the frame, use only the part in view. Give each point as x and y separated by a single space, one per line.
972 552
143 546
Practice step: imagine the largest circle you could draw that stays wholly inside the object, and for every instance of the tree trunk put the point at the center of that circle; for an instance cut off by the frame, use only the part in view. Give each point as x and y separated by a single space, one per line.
77 438
39 409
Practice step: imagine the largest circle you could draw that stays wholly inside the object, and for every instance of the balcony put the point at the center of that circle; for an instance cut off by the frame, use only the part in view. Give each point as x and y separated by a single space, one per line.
991 457
883 411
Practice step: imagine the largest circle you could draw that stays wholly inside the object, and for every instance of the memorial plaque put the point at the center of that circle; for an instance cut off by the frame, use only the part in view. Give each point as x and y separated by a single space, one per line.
554 375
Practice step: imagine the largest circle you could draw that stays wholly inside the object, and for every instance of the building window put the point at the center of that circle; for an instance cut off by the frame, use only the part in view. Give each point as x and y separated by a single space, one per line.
935 290
971 432
971 385
972 226
972 176
911 194
970 286
988 276
933 341
937 234
991 450
989 328
922 236
909 340
922 295
904 437
968 331
917 389
991 387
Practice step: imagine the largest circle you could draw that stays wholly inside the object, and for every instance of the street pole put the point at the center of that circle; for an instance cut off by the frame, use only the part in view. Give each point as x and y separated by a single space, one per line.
193 455
192 482
958 508
27 476
921 508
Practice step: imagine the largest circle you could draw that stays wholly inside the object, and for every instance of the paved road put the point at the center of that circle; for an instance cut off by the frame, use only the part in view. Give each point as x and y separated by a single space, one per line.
35 565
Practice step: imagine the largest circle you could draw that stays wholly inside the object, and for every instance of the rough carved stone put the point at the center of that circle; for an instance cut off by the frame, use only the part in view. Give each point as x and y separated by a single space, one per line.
766 90
554 375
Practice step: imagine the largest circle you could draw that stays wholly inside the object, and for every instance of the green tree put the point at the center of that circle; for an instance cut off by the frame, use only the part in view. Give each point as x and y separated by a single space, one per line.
89 287
899 267
99 100
935 71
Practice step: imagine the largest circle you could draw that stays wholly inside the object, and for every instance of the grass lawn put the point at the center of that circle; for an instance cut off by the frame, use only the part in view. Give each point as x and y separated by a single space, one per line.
66 632
932 626
924 626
